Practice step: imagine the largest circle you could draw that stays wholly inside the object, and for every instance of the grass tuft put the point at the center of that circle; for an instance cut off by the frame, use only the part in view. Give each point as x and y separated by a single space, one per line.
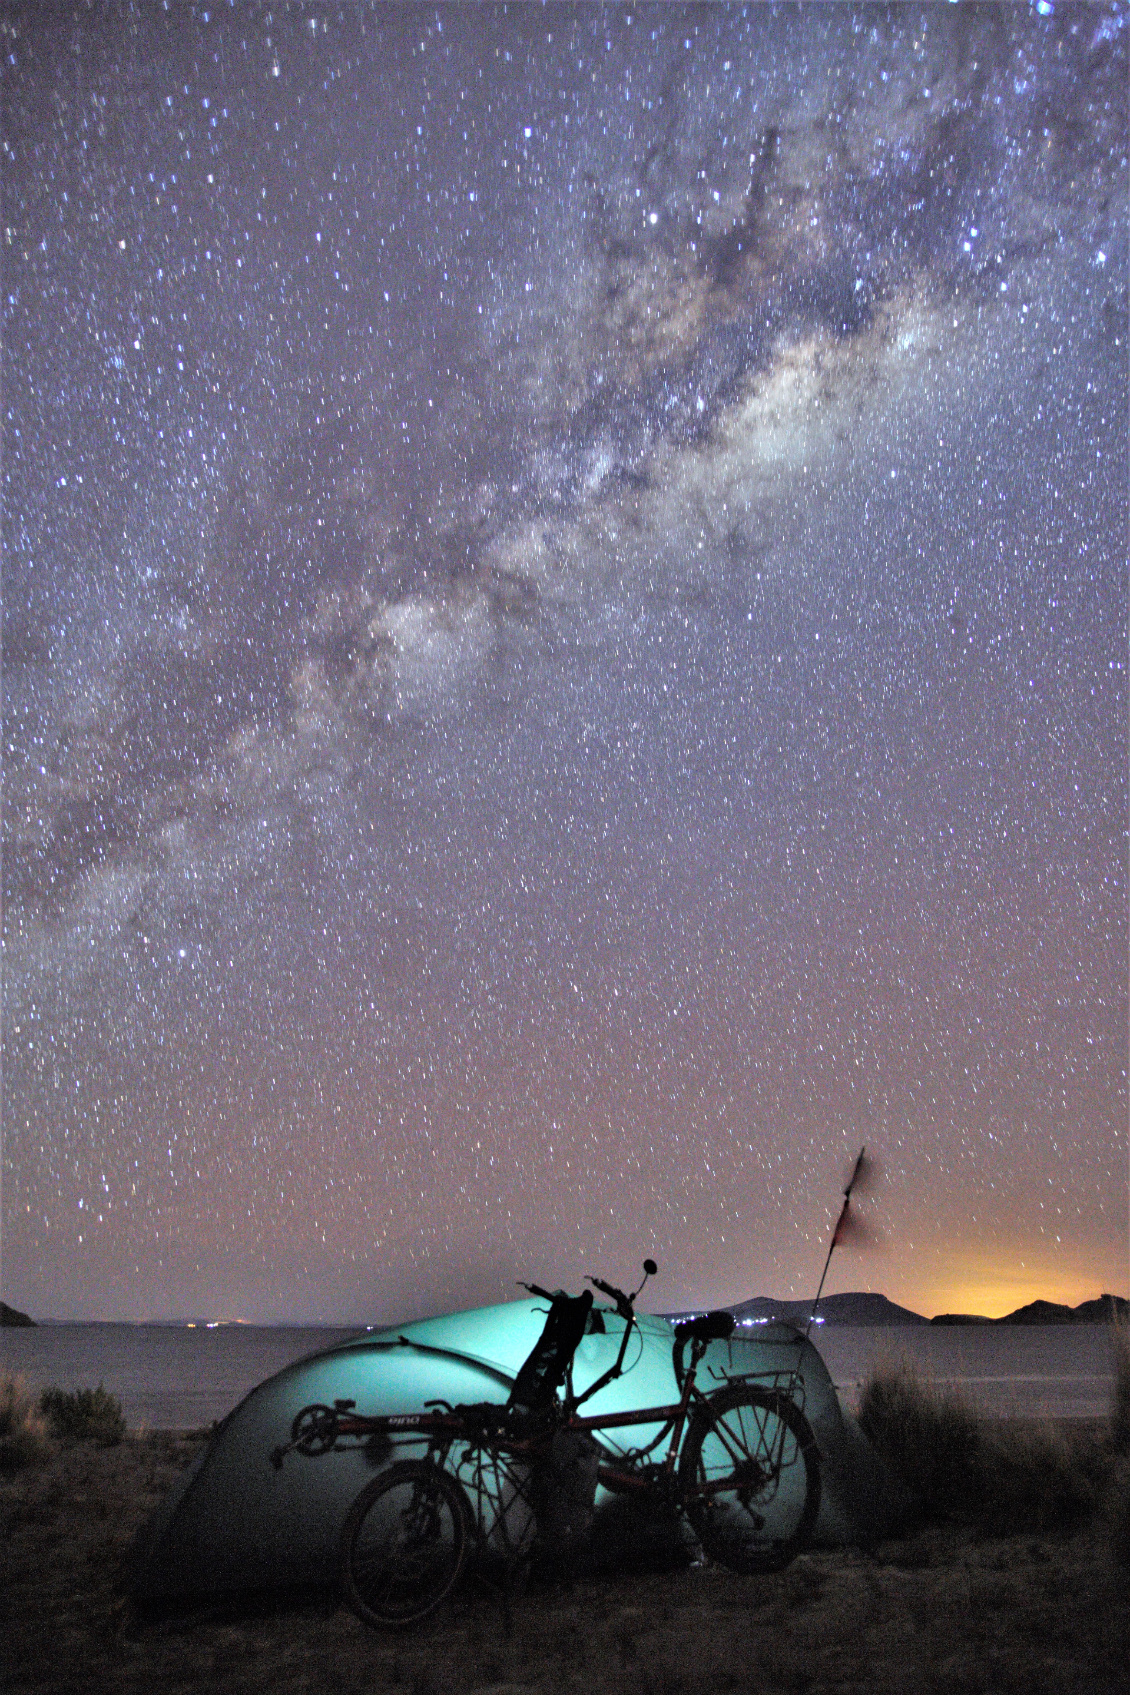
1120 1397
1034 1478
1006 1478
23 1432
84 1415
1119 1515
929 1438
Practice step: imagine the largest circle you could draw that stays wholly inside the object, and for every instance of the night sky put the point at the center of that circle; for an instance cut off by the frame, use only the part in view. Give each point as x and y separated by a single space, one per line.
565 633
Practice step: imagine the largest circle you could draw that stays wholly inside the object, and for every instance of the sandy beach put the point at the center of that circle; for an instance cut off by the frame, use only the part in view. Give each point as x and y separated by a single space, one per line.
945 1610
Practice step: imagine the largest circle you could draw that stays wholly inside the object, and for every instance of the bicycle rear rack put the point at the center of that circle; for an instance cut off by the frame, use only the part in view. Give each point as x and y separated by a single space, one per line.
787 1383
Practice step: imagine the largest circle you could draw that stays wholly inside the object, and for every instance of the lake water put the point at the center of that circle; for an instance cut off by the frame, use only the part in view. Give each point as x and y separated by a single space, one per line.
172 1377
169 1377
1019 1371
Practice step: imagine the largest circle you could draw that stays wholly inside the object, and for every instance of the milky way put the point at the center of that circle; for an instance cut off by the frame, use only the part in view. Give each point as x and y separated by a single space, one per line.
565 628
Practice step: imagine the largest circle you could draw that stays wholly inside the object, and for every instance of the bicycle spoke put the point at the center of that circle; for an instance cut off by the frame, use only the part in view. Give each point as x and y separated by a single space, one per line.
749 1477
403 1543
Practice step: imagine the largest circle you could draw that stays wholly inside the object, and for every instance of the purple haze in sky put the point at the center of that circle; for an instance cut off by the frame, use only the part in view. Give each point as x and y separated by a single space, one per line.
565 627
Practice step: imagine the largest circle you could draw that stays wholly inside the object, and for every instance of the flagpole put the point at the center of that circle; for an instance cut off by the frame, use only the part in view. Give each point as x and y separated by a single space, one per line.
835 1238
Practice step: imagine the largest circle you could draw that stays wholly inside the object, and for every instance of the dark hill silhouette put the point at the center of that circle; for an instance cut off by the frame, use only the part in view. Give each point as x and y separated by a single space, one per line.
12 1316
856 1307
850 1308
1040 1312
860 1308
1101 1310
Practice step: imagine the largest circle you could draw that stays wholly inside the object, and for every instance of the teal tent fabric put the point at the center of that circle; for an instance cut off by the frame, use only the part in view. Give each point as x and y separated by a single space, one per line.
236 1522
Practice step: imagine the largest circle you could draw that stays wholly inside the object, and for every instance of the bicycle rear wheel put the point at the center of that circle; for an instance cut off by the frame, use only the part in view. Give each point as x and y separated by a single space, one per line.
403 1543
749 1478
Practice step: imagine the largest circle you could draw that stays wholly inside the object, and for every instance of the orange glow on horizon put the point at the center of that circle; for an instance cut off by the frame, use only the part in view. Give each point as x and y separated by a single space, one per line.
992 1292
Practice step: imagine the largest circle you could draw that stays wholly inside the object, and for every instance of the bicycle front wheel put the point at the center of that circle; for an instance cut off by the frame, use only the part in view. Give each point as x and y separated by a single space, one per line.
749 1477
403 1543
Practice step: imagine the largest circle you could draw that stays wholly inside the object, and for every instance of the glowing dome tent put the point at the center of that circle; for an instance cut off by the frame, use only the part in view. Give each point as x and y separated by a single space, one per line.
236 1522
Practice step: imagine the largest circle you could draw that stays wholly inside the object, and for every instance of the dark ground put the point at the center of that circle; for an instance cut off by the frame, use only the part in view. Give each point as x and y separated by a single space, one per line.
939 1613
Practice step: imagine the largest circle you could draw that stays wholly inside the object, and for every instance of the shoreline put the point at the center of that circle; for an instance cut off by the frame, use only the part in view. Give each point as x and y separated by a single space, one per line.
913 1321
180 1379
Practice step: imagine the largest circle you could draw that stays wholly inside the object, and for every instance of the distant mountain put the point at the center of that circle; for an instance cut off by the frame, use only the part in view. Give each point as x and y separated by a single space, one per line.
1040 1312
866 1309
12 1316
857 1308
1101 1310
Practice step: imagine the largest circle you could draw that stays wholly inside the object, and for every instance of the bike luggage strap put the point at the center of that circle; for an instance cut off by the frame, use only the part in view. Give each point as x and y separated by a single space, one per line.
482 1420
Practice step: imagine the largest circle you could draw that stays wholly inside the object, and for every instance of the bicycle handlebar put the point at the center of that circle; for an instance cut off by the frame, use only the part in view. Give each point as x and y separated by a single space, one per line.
623 1302
537 1290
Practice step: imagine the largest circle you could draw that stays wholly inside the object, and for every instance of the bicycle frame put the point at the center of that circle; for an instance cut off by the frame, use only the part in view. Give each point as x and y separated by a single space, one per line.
442 1427
739 1463
627 1474
671 1418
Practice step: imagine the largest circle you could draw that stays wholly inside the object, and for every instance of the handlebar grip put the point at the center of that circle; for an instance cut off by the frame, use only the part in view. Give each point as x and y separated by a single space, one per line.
623 1302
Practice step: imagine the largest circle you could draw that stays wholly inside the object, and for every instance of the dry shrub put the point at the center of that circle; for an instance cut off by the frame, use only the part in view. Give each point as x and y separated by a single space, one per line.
929 1438
1006 1478
1034 1478
1119 1515
1120 1396
84 1415
23 1432
660 1679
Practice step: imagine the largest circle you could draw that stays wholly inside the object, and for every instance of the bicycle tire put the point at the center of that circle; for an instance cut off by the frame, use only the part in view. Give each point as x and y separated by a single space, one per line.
749 1478
403 1544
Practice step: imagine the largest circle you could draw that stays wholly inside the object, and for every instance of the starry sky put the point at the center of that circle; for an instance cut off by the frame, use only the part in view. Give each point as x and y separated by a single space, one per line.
565 632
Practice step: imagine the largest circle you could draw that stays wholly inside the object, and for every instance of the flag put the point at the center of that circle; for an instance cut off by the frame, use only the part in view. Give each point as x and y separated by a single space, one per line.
852 1230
